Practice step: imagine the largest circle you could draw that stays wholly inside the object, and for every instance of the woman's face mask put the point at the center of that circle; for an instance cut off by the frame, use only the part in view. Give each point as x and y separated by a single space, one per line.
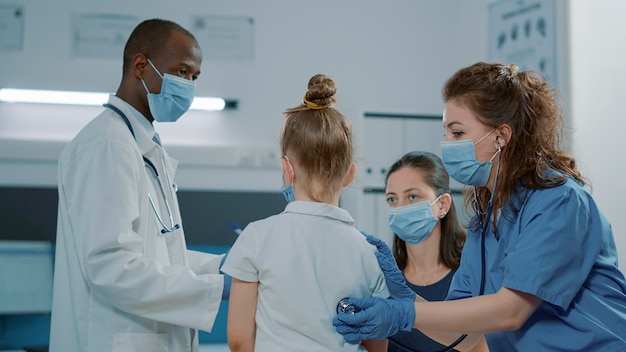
413 223
174 100
459 159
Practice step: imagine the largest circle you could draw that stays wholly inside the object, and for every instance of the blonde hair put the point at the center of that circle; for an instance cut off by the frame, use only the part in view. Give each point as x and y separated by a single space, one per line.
317 138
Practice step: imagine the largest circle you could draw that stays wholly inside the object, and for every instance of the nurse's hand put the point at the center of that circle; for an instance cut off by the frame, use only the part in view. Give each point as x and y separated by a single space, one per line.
377 319
393 276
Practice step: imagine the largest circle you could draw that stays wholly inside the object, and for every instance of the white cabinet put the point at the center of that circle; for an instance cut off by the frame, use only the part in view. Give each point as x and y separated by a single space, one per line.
386 138
389 136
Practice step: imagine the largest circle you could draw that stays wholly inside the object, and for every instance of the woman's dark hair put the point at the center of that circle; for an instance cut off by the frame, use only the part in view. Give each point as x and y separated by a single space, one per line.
452 231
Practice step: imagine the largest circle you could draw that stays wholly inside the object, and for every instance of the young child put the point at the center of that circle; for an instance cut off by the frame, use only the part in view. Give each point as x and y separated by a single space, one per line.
290 270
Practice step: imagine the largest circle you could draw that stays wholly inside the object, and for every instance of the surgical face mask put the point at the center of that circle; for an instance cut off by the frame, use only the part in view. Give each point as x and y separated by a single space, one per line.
175 98
459 159
288 191
289 194
413 223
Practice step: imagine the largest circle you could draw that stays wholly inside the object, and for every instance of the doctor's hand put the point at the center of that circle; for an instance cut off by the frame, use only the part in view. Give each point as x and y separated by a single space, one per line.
377 319
393 276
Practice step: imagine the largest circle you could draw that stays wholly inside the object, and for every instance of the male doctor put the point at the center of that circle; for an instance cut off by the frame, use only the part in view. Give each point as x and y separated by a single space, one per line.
124 279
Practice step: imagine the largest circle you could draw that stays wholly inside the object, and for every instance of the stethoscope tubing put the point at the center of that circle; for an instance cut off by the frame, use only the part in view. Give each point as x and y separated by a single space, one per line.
165 229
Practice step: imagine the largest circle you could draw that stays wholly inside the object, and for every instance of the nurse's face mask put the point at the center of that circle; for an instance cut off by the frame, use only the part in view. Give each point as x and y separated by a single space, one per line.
413 223
174 99
459 159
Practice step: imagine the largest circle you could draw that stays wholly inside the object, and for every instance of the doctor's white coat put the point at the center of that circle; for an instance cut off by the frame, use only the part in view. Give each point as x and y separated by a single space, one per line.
119 284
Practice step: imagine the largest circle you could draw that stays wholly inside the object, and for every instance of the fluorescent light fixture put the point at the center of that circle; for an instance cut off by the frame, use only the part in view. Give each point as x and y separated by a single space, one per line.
208 104
36 96
52 97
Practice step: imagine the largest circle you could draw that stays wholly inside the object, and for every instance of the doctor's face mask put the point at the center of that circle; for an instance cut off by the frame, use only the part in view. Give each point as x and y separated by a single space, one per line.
174 99
459 159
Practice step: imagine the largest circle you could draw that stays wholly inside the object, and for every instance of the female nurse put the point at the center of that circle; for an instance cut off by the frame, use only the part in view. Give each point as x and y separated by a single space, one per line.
539 266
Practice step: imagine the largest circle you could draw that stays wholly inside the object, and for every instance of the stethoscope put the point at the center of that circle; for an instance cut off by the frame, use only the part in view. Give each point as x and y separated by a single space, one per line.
484 227
165 229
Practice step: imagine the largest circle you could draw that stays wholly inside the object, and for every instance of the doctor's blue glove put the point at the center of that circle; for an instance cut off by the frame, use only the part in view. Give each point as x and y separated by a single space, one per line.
377 319
393 276
228 280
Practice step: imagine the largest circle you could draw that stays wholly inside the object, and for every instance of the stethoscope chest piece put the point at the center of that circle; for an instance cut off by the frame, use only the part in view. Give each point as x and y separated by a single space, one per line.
345 307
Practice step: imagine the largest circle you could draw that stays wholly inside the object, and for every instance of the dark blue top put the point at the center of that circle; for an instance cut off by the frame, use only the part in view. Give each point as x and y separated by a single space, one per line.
415 340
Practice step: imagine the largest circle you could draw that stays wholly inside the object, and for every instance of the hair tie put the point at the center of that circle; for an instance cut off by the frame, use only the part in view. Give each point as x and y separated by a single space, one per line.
314 106
508 72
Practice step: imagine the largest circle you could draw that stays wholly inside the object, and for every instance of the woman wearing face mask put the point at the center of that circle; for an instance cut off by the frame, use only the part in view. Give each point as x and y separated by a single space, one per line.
428 235
539 266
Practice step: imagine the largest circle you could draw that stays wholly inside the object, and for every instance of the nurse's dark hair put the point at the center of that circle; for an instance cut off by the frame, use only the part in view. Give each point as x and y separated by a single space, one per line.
499 94
318 138
149 38
437 178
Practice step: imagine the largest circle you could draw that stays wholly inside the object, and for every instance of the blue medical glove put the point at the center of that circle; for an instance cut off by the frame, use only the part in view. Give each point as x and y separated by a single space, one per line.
393 276
377 319
228 280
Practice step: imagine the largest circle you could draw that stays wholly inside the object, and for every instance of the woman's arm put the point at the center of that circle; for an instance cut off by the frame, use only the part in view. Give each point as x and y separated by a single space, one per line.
375 345
503 311
241 326
480 346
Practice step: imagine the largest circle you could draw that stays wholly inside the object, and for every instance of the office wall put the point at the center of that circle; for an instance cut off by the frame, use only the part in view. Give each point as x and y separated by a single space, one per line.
390 57
598 52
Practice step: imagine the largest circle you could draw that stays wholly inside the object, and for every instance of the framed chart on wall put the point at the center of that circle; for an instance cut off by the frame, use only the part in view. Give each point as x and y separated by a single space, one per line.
523 32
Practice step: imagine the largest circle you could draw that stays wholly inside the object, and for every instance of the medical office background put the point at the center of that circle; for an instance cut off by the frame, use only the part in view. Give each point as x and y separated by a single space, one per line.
389 60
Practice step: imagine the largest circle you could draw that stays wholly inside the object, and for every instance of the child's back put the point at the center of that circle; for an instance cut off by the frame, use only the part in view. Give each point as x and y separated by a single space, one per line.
290 270
305 259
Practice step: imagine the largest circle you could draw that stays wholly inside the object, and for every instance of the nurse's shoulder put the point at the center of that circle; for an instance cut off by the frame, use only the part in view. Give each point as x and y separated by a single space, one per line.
562 192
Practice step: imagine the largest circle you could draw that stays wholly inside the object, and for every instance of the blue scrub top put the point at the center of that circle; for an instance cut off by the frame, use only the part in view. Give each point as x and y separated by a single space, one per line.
560 248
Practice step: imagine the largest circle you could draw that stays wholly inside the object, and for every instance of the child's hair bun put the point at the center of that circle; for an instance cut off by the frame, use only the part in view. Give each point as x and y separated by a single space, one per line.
321 92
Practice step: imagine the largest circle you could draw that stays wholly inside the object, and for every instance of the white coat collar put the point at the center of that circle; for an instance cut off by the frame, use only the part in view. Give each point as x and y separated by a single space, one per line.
143 129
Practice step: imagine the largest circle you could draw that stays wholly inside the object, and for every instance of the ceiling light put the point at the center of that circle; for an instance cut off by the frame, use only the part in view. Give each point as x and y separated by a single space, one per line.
37 96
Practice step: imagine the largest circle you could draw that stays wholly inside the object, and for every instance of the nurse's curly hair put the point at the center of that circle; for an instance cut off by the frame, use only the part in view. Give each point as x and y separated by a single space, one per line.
500 94
149 38
318 138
